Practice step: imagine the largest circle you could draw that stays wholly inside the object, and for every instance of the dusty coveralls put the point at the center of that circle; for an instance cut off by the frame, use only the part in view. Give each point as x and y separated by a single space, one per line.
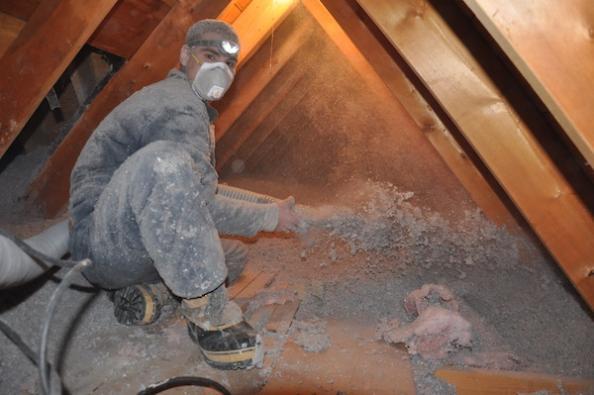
143 201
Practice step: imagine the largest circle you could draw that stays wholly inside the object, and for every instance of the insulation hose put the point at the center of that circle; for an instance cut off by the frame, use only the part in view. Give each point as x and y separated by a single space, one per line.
17 265
253 197
54 242
184 381
245 195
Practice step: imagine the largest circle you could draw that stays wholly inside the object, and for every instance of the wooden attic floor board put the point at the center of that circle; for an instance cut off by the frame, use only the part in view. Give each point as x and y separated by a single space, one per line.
492 382
353 364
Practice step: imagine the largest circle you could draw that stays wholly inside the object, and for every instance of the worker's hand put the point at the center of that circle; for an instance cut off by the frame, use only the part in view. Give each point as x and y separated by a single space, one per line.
288 219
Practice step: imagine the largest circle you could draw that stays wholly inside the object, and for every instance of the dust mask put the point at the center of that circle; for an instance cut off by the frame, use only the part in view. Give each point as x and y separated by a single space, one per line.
212 80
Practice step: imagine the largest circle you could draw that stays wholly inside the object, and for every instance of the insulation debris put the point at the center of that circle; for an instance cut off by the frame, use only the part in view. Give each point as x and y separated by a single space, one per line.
429 294
267 298
311 335
439 328
435 333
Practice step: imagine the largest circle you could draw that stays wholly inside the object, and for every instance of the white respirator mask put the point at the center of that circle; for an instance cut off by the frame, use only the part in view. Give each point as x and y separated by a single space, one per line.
212 80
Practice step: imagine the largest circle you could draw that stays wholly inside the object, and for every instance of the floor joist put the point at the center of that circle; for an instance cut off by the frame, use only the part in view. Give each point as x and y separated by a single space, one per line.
491 126
492 382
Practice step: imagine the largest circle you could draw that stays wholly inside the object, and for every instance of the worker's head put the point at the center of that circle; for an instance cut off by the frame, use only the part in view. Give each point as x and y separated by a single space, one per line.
209 57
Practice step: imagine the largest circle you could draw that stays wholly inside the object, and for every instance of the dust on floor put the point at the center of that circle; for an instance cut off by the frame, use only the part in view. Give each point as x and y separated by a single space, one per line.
357 264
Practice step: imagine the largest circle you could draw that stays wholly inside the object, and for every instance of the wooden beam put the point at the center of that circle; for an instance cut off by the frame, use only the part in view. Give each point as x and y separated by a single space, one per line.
425 118
257 73
496 382
21 9
234 10
10 27
36 59
555 65
158 54
497 134
257 22
128 25
271 142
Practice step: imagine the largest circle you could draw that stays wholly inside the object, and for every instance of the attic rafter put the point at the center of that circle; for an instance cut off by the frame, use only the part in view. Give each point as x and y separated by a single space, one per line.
276 98
503 141
158 54
555 65
128 25
21 9
33 63
256 75
265 142
257 22
425 118
10 28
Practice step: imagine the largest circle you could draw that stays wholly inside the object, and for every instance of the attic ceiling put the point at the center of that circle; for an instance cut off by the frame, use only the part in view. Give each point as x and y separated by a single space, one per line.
403 62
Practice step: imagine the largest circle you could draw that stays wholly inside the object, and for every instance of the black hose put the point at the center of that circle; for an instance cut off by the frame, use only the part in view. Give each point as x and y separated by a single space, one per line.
46 369
37 255
183 381
51 308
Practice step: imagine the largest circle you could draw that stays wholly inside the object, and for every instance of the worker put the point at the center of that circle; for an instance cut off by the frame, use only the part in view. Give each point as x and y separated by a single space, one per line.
146 208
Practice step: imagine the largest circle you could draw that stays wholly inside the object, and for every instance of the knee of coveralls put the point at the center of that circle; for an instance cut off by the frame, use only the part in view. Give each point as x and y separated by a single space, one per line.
156 197
235 258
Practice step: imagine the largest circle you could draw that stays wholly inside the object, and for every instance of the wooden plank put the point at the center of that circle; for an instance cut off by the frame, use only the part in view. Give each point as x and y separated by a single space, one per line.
555 65
21 9
425 118
497 134
256 75
263 280
246 279
152 61
281 317
257 22
353 364
128 25
234 10
10 27
491 382
36 59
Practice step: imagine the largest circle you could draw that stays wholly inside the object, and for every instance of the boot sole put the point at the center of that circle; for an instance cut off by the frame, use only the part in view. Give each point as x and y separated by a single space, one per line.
135 305
231 360
244 358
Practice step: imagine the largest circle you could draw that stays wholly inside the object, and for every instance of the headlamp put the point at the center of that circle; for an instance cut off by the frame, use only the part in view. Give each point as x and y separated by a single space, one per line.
226 46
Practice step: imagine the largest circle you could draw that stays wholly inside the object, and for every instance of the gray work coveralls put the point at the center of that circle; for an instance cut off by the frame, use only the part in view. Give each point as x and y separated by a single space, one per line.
143 195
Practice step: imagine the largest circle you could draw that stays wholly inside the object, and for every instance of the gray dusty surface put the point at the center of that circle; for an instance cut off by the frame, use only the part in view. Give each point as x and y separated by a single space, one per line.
523 313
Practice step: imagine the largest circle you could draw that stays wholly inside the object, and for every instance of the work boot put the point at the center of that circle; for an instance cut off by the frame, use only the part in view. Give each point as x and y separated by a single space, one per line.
140 304
225 339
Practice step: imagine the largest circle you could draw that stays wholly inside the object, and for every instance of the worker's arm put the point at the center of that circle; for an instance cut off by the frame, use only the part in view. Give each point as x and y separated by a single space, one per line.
242 218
